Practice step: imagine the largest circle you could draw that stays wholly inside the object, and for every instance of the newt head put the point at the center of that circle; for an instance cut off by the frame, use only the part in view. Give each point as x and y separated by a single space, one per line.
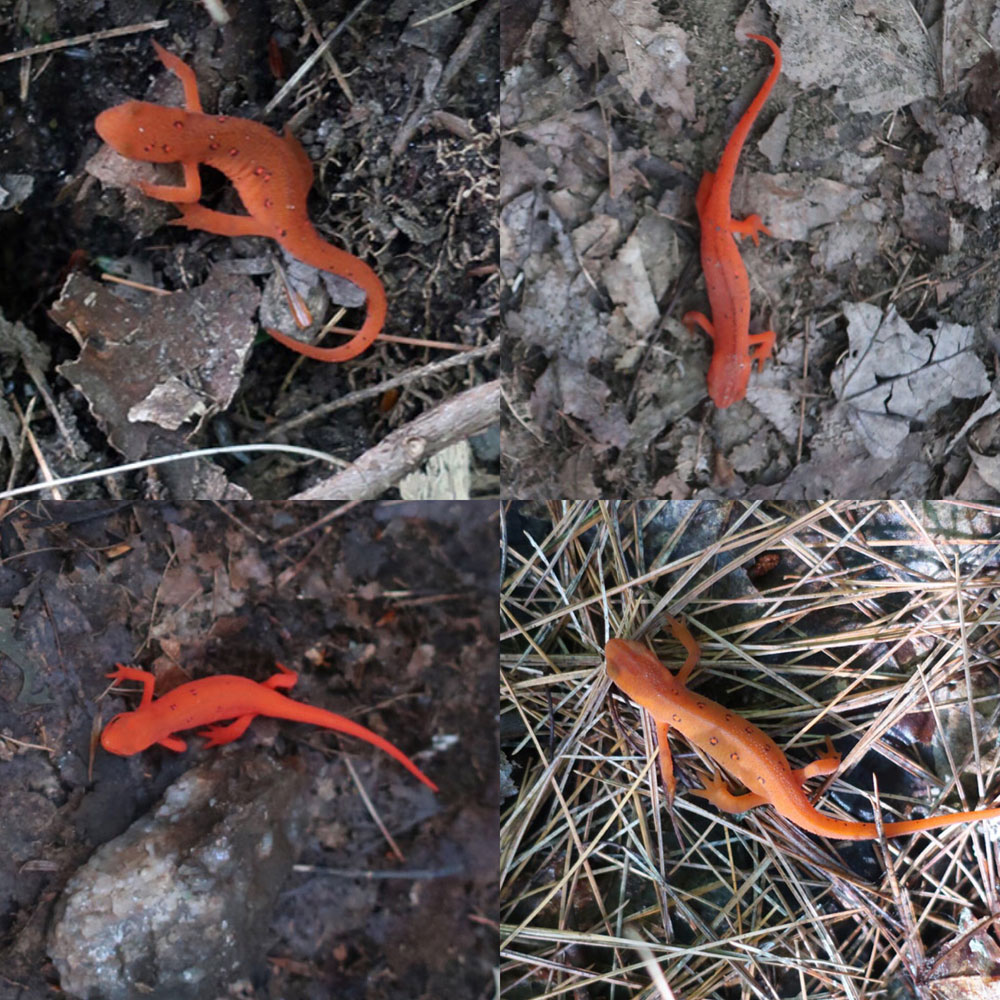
123 737
632 666
144 131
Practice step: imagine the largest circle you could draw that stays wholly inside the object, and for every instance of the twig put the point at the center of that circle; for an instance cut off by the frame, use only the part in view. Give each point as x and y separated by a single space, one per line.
485 19
373 392
164 459
372 811
293 80
380 468
36 450
93 36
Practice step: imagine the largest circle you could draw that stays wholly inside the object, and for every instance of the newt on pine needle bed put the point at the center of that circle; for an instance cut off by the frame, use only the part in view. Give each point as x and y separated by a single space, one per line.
739 747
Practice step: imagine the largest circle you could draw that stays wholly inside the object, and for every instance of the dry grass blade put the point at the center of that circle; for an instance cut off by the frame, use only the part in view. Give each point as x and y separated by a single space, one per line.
874 623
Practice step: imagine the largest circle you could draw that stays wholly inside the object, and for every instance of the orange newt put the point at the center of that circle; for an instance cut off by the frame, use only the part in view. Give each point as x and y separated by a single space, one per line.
224 696
735 348
272 174
740 747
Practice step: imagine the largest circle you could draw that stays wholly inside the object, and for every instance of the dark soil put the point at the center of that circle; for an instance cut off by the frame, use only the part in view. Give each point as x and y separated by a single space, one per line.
422 218
389 614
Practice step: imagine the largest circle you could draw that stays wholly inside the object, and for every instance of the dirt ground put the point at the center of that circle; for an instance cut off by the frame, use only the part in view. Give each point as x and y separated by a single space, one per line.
389 614
873 163
397 123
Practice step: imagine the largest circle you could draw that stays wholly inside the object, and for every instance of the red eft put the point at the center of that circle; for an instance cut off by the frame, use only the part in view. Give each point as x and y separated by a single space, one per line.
739 747
271 173
735 348
224 696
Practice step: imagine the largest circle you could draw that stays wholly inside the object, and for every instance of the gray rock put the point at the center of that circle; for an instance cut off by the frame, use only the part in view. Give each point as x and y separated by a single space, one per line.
177 906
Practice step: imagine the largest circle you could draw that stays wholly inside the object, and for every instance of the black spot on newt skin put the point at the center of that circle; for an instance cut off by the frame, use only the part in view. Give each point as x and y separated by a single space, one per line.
714 740
700 704
734 756
761 781
675 717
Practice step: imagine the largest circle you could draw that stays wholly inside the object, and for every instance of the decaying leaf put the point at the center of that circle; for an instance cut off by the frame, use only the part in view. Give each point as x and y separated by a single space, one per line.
169 360
645 52
893 375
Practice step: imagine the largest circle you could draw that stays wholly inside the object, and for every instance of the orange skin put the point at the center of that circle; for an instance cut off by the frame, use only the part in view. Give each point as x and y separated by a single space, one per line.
224 696
272 174
735 348
739 747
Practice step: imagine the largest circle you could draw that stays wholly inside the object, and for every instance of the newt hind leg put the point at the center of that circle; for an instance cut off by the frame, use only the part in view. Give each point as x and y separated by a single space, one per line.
721 797
217 736
824 765
220 223
761 347
750 226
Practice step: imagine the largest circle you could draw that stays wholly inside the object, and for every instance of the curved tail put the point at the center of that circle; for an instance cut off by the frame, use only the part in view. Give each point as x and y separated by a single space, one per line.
935 822
297 711
843 829
727 164
344 265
